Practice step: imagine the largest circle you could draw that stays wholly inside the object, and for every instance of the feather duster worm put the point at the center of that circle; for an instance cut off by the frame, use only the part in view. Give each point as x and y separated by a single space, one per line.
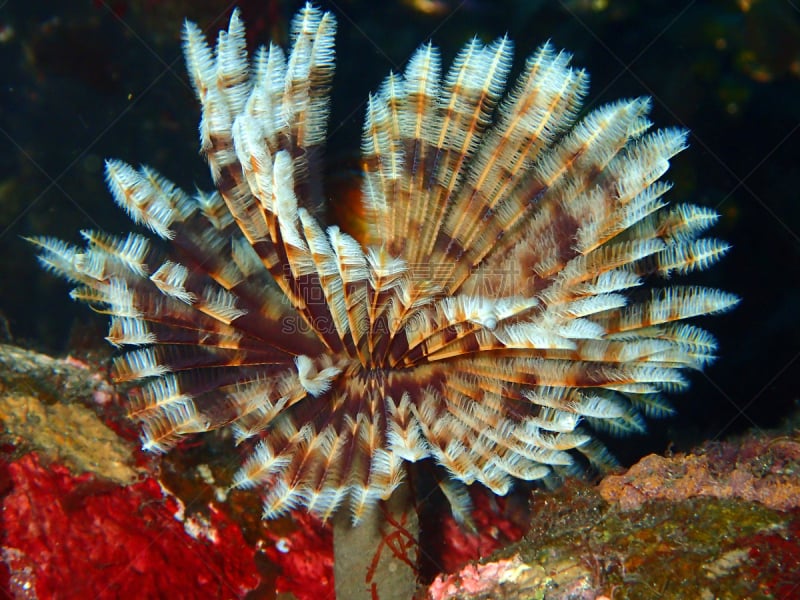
492 317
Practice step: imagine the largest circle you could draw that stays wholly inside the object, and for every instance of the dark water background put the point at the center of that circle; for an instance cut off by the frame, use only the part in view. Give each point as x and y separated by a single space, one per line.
88 80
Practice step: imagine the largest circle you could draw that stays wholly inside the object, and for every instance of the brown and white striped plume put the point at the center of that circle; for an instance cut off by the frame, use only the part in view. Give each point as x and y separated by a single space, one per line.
507 299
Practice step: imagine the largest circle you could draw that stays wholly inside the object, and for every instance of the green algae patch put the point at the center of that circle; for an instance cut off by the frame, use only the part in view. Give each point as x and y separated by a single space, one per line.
688 550
698 548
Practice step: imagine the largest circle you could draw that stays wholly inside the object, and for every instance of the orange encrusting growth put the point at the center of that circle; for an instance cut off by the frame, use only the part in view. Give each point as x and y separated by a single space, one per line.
483 318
